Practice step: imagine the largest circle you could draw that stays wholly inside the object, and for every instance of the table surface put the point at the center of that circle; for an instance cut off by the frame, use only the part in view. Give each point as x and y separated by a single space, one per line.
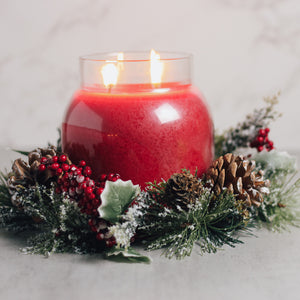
266 266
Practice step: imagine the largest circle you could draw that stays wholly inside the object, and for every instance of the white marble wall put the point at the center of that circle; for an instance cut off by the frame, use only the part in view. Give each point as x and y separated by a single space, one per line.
244 50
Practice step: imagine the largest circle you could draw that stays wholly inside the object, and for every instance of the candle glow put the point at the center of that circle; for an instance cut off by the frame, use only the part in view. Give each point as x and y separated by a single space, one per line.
156 67
109 74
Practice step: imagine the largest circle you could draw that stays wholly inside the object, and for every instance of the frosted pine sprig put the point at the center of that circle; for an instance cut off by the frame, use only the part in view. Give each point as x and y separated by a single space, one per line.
243 133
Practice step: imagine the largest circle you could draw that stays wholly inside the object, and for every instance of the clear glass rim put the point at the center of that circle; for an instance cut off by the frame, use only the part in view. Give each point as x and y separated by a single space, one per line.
142 56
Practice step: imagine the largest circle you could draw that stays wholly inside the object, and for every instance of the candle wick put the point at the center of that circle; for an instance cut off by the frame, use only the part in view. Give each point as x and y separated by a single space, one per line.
109 88
156 85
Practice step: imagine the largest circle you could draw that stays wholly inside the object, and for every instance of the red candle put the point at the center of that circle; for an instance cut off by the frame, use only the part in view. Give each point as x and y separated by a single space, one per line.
144 132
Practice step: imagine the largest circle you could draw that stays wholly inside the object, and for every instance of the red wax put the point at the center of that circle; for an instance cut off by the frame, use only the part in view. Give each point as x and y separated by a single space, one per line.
143 134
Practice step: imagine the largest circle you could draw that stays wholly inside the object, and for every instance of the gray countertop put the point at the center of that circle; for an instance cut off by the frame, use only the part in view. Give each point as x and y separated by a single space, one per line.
266 266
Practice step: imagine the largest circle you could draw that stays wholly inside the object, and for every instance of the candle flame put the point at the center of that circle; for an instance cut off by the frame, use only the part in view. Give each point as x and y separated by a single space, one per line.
109 74
156 68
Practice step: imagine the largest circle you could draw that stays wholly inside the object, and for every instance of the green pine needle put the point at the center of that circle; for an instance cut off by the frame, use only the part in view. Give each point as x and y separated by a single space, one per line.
280 209
177 231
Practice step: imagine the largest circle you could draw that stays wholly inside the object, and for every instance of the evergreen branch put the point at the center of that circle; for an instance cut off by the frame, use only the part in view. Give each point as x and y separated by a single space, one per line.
243 133
210 226
55 223
280 208
11 217
59 142
64 227
21 152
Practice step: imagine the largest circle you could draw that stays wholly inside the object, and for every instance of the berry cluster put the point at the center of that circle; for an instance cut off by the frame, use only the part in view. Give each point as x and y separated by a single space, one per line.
262 141
76 182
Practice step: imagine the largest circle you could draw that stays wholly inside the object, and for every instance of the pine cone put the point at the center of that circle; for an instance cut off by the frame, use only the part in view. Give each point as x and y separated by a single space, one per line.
25 175
237 175
182 189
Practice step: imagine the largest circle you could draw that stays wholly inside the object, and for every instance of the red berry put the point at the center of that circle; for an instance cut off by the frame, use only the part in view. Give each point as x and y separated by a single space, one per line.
87 171
260 148
103 177
54 166
80 178
73 167
267 130
100 236
72 191
66 184
95 212
42 168
77 172
92 222
88 190
110 176
65 167
59 171
79 190
270 146
92 196
54 159
111 242
99 191
63 158
65 177
262 132
96 202
260 140
43 160
102 184
82 163
83 186
91 183
70 175
73 182
65 189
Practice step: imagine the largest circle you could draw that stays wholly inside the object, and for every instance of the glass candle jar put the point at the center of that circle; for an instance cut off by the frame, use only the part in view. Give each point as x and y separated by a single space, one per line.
138 115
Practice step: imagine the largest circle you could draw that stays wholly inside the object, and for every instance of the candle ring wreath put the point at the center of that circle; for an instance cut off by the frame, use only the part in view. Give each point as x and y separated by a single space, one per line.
65 210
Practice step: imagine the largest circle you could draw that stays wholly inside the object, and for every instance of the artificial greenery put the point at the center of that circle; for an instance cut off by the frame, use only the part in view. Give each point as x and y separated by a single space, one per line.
116 198
244 132
55 223
175 222
12 218
280 209
210 222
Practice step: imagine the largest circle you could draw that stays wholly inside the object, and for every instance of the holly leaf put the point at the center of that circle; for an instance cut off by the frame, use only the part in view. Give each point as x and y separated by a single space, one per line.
126 255
116 198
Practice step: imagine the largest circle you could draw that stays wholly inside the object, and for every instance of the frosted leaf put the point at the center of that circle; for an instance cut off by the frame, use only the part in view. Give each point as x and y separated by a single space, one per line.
116 198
